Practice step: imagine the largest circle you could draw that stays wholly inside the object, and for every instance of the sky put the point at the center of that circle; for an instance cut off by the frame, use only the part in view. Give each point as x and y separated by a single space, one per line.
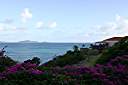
62 20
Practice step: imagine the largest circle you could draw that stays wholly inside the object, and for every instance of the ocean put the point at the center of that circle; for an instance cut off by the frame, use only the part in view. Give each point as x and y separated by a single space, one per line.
45 51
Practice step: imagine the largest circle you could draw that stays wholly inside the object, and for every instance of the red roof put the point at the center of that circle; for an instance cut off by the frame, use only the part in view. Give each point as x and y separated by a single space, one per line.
114 39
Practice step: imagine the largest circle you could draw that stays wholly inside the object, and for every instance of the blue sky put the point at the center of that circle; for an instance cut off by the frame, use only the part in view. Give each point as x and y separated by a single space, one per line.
62 20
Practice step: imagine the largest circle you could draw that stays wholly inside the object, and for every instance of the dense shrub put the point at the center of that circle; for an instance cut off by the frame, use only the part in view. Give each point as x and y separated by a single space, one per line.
6 62
67 59
35 60
71 57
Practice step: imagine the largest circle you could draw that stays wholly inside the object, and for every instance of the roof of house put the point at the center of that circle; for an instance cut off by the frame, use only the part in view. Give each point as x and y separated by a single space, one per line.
113 39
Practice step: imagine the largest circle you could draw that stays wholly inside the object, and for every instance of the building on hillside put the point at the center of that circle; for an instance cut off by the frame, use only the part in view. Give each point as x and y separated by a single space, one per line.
105 43
112 41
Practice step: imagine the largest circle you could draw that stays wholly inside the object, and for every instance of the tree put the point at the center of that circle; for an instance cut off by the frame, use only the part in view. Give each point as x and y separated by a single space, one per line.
83 45
36 60
75 48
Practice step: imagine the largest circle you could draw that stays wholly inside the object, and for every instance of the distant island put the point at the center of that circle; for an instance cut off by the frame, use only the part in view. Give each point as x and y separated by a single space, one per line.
28 41
24 41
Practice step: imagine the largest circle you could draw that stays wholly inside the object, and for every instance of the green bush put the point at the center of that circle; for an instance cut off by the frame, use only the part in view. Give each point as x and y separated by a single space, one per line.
71 57
6 62
34 60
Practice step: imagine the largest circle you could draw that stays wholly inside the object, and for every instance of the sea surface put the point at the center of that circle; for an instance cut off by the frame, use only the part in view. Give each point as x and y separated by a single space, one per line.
45 51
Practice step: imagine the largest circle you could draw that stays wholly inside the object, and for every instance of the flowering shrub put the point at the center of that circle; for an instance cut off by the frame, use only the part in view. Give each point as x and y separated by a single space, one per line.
115 72
18 68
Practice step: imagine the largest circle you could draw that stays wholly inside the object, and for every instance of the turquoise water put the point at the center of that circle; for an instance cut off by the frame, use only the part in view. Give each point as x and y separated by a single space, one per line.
45 51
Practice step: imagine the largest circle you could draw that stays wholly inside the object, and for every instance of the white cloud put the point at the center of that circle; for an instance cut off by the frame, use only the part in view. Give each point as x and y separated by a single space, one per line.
39 24
1 27
118 27
7 27
26 15
52 24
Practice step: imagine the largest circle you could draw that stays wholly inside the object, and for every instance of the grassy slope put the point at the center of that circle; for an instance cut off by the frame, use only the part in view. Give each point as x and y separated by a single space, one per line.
89 62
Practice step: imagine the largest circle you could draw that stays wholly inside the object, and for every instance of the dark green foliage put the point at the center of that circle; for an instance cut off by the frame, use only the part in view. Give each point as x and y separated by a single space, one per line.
67 59
69 52
6 62
75 48
35 60
120 48
71 57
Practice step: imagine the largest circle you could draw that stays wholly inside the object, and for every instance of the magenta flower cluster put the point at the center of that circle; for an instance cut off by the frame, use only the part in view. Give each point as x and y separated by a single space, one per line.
115 72
22 67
